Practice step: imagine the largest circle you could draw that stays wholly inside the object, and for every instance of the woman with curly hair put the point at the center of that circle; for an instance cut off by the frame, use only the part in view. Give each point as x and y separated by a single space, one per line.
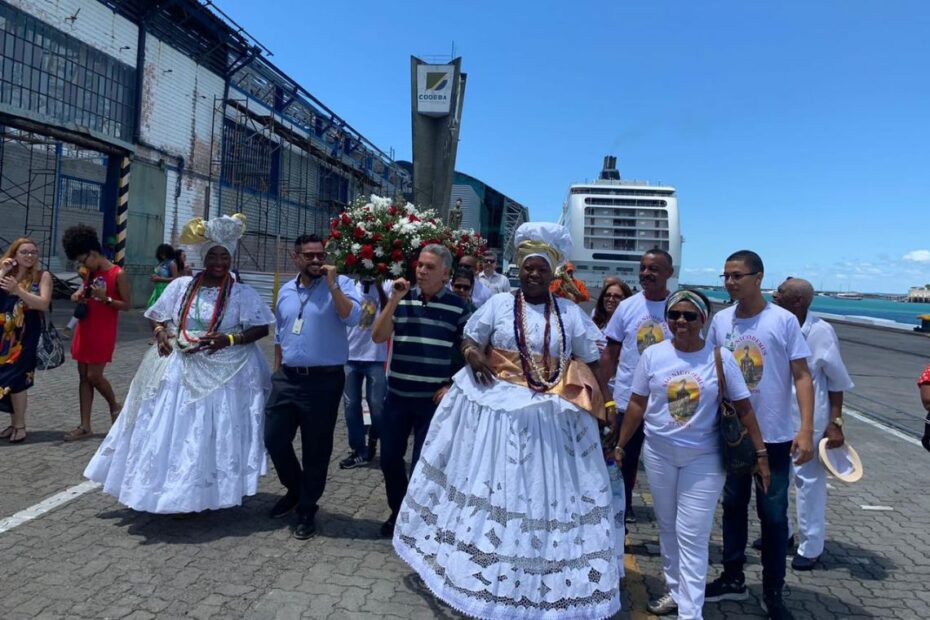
104 294
25 293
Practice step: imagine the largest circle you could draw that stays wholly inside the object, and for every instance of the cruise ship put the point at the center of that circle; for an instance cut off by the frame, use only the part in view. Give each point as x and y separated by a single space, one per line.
613 221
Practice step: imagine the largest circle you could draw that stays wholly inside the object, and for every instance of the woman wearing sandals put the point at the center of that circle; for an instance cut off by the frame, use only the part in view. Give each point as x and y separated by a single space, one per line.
675 388
25 293
105 294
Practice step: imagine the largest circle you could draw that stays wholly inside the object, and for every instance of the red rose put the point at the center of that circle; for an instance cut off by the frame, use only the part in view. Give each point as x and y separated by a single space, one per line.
376 237
367 252
351 260
459 252
388 226
392 211
337 235
382 268
413 218
359 233
397 256
397 243
464 238
345 219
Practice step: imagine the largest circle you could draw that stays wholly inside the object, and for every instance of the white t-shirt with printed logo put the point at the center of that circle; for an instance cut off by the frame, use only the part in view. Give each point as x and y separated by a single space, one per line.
682 391
764 347
637 324
361 347
827 370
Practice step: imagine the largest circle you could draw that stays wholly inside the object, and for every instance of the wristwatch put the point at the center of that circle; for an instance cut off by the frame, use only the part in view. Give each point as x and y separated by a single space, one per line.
838 420
108 300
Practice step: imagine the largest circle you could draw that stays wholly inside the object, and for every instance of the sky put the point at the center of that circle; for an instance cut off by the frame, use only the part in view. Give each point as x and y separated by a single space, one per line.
798 129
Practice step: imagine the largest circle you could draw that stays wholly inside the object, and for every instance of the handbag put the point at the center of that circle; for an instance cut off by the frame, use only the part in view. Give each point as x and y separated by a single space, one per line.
51 350
736 447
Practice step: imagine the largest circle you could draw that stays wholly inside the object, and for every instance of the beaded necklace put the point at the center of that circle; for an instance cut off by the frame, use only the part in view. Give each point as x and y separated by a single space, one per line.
539 379
190 298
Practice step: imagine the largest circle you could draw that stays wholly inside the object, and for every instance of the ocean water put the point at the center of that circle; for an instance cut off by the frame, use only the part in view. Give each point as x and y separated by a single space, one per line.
897 311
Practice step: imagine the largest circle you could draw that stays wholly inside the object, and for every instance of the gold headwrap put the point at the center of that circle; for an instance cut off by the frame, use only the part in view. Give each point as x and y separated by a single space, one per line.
525 249
195 231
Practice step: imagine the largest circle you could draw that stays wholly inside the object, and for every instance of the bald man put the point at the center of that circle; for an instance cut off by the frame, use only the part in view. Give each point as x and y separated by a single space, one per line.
830 381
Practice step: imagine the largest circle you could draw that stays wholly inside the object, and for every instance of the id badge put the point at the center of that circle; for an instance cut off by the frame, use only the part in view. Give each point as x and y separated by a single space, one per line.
298 325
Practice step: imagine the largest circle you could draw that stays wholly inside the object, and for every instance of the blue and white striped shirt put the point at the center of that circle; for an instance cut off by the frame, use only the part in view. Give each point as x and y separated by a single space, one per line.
422 345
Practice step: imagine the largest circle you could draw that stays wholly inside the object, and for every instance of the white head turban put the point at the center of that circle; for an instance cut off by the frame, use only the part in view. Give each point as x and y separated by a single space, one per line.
551 242
224 231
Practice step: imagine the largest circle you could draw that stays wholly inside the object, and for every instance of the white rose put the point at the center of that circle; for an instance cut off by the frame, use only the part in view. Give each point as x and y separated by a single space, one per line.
356 248
396 269
367 263
379 252
415 242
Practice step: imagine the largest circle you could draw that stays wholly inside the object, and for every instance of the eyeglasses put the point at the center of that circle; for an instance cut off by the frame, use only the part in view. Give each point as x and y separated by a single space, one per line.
674 315
461 287
736 275
490 260
312 255
612 296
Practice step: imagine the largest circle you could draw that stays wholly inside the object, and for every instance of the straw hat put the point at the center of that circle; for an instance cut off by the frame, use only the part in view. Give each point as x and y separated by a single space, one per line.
843 462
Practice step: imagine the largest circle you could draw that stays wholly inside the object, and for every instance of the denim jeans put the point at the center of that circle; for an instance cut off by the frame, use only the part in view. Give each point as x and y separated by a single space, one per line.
372 373
400 417
772 508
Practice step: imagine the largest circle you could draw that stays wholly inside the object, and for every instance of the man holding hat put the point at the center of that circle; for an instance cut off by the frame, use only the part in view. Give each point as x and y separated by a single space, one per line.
830 381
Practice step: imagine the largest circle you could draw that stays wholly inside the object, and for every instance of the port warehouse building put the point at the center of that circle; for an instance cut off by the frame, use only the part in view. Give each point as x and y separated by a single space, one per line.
135 116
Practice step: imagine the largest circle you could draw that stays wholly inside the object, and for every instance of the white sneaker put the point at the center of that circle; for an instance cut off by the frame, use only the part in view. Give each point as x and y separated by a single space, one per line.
663 605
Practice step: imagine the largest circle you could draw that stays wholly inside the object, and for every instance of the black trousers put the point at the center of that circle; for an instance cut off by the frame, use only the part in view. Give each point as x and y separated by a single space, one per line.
399 418
311 403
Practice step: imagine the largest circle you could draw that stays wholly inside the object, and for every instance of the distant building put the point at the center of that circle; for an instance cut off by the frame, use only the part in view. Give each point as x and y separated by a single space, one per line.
486 210
134 116
919 295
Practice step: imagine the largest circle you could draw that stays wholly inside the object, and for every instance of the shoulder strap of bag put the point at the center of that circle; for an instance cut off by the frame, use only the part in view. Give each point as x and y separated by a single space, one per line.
721 377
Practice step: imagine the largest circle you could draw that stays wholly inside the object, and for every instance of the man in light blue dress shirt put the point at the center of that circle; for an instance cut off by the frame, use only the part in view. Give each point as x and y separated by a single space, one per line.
311 349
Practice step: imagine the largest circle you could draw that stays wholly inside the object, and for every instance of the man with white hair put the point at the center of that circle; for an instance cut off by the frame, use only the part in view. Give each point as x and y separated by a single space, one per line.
830 381
425 322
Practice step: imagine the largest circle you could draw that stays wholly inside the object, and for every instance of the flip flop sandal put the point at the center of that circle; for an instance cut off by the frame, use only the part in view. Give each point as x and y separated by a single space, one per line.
77 433
15 437
8 431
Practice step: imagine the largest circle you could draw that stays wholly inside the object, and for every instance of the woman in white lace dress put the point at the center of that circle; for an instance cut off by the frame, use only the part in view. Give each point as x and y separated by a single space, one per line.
190 435
508 513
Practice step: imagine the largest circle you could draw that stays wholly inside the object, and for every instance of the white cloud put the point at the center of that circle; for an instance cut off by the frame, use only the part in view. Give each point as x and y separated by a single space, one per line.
700 270
918 256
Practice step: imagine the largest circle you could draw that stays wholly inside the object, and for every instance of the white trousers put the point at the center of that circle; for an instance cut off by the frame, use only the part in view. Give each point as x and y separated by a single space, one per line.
686 484
810 482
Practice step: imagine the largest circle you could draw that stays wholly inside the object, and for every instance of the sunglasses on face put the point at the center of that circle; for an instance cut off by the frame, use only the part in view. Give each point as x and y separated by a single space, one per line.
674 315
736 276
461 287
312 255
614 297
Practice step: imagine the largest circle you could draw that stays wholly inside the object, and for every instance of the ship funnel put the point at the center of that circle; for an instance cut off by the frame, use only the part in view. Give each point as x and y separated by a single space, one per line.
610 172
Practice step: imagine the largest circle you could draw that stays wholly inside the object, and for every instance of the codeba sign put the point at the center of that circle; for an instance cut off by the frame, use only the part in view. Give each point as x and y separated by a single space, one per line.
434 89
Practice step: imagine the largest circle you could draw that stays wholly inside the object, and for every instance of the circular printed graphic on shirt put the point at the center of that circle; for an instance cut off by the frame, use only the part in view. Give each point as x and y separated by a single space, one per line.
367 316
648 334
751 363
683 395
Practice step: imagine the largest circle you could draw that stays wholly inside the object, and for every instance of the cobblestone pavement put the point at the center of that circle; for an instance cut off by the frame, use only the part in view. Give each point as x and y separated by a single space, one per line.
92 558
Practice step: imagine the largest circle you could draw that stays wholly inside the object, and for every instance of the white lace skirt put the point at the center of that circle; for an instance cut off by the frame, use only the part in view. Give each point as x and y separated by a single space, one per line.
169 453
508 513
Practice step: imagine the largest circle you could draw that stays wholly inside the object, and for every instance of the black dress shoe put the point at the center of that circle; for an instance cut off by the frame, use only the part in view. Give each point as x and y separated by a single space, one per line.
799 562
284 506
306 528
387 528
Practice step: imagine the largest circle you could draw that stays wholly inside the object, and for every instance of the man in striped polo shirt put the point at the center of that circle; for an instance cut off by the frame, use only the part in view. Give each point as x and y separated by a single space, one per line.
425 323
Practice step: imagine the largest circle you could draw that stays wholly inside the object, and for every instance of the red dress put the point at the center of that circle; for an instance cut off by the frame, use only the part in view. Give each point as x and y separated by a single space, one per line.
95 335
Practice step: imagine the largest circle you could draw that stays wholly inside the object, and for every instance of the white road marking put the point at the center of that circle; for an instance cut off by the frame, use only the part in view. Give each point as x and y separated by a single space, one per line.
882 427
865 507
46 505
